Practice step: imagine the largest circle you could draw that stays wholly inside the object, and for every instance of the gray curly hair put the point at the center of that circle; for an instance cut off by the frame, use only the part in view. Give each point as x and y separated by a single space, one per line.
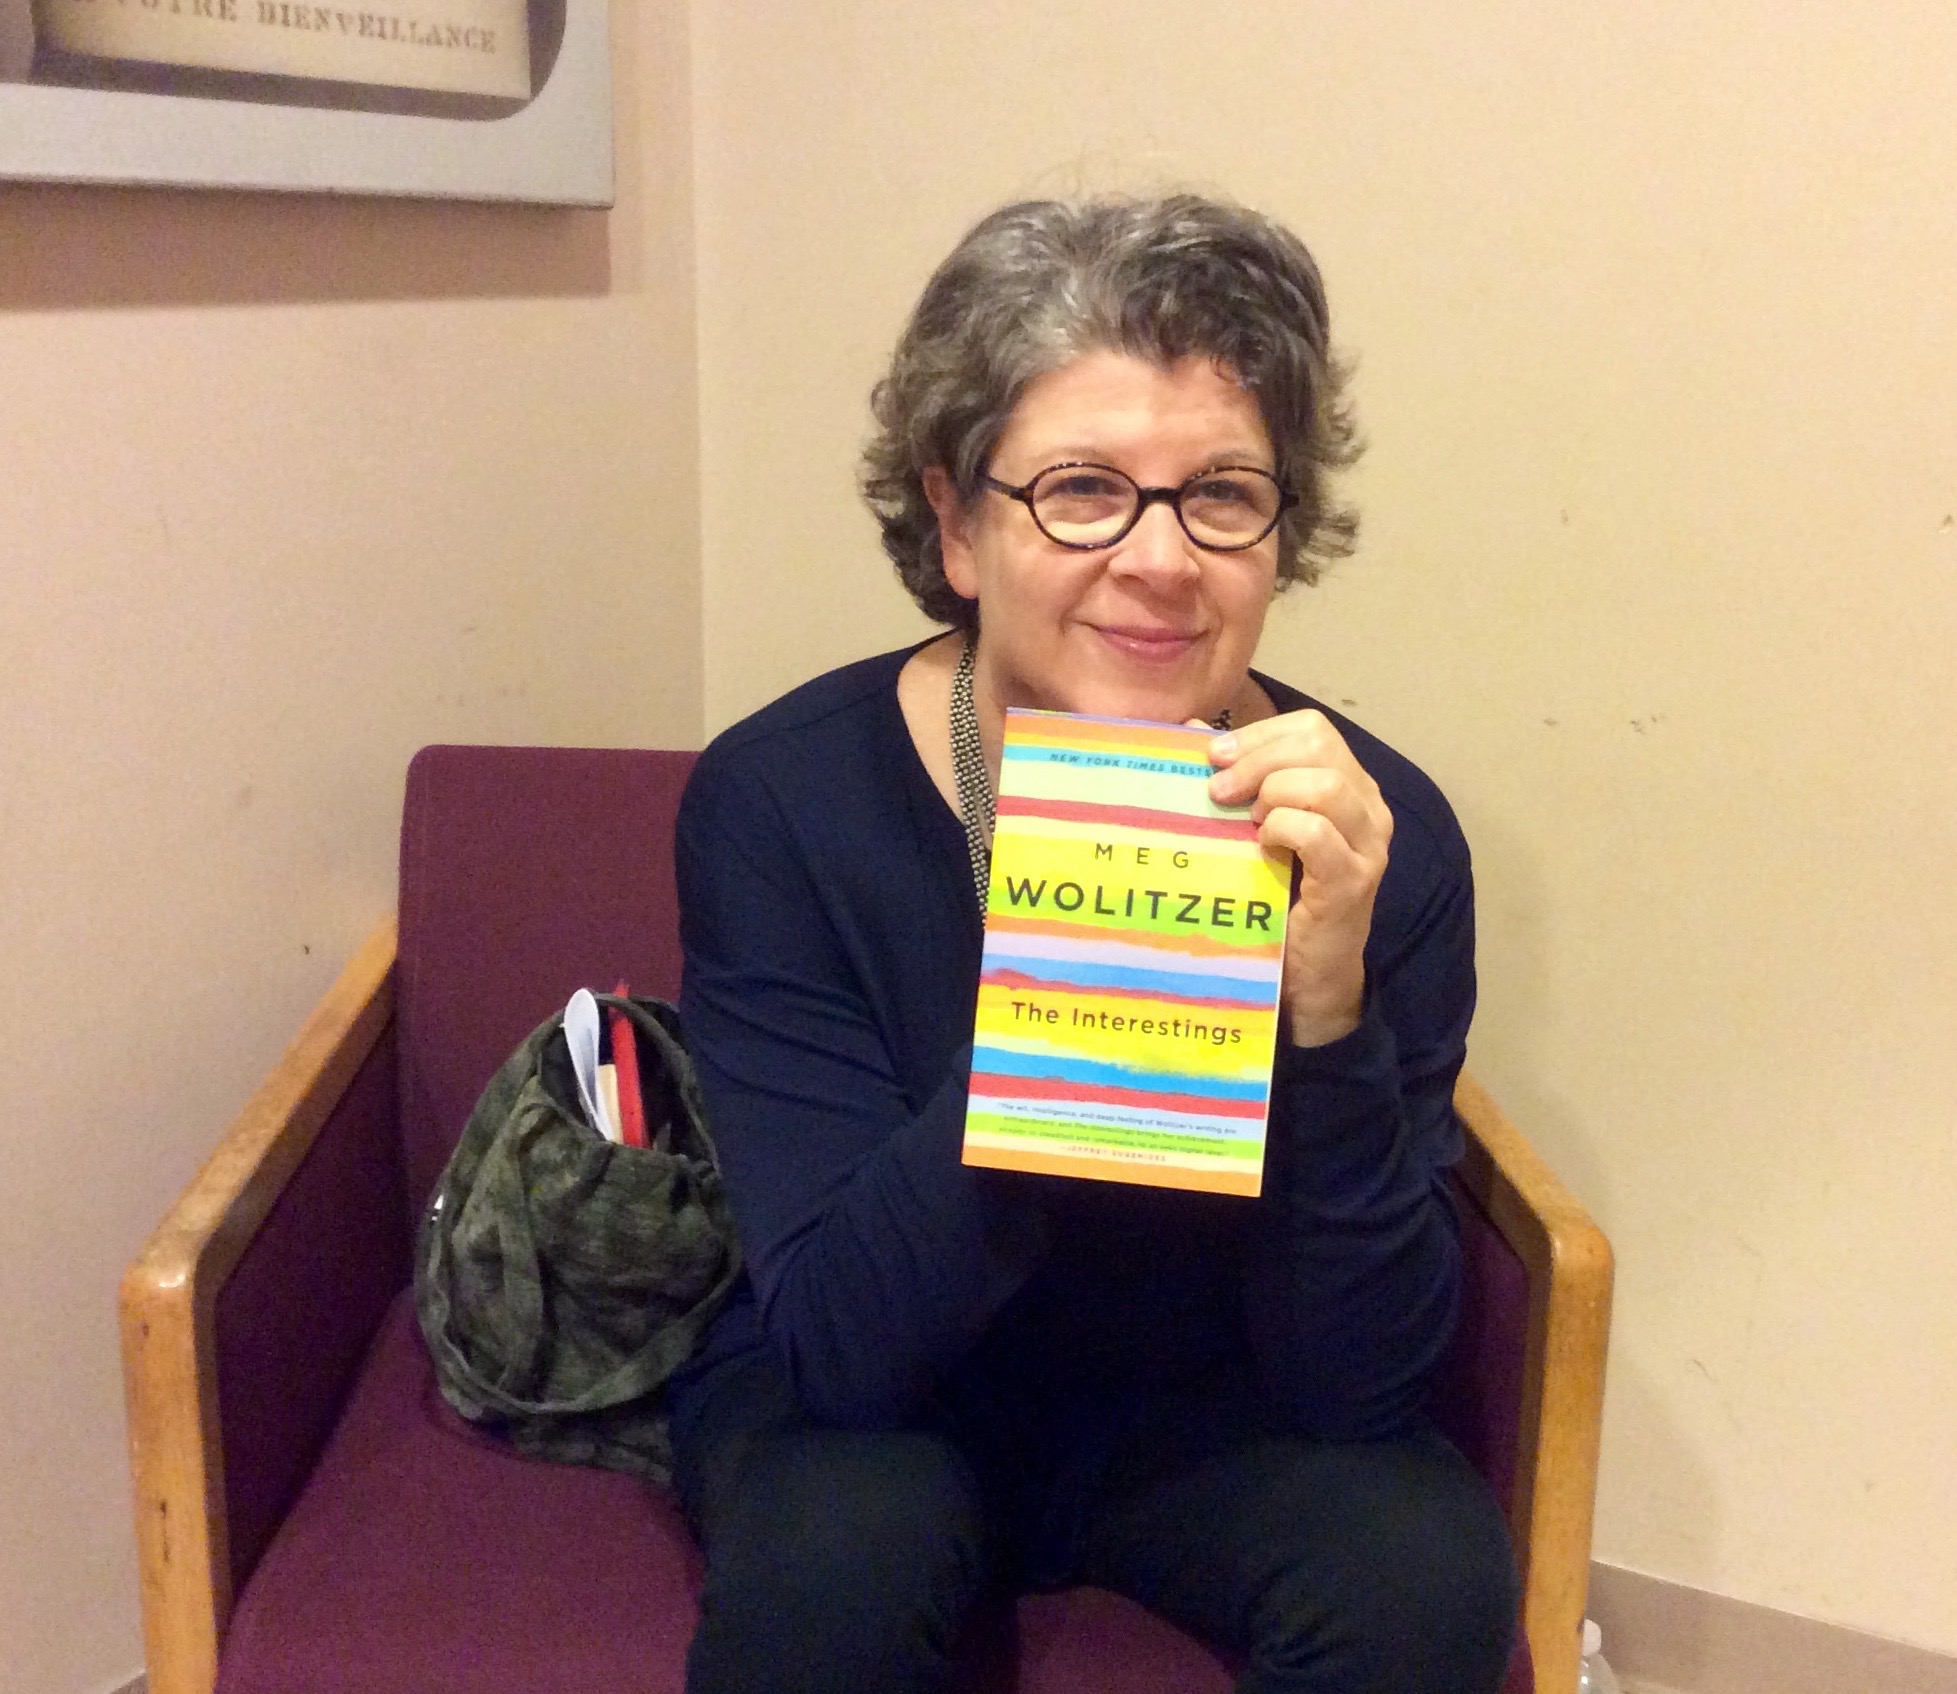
1041 282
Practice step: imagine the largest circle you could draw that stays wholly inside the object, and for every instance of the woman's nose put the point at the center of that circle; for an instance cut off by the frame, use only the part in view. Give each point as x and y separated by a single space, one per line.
1157 546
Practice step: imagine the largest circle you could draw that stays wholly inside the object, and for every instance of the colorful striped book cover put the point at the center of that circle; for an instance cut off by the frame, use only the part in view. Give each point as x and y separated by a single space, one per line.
1127 1006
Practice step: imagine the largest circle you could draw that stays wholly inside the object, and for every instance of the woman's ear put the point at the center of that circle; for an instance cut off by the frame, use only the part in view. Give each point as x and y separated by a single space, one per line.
954 532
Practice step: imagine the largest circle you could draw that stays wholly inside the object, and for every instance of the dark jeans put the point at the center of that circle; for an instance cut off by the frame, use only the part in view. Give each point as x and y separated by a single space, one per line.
850 1560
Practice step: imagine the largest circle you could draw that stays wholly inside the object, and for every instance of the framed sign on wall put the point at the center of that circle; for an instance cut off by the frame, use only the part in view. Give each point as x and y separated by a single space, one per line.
472 99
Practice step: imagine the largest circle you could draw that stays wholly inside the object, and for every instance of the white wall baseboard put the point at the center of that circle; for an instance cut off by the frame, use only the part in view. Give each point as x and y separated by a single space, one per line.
1663 1632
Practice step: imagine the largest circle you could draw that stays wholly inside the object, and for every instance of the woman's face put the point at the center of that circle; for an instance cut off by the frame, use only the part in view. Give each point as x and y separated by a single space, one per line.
1152 627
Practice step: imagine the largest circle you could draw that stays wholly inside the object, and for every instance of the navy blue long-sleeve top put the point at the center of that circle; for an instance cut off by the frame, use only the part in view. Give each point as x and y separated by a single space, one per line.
832 943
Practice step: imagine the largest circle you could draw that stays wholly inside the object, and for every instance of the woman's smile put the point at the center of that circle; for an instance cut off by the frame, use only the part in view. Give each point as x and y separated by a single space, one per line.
1145 645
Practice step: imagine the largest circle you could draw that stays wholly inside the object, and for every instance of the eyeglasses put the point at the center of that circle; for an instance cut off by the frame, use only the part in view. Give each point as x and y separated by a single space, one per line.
1085 506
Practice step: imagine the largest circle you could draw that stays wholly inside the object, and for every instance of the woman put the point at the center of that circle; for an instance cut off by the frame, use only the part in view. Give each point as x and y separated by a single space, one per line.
1105 440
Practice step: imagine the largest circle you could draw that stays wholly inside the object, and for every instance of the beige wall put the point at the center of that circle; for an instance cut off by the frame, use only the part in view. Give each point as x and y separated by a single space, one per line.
287 488
1660 579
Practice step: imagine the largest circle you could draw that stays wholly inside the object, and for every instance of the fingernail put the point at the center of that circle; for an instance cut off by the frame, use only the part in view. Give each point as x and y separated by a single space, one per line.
1223 747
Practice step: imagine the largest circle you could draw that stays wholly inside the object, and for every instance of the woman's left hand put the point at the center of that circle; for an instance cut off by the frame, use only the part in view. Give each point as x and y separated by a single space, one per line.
1309 795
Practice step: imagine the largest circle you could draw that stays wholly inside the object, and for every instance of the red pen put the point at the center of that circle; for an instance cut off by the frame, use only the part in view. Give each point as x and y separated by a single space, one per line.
625 1061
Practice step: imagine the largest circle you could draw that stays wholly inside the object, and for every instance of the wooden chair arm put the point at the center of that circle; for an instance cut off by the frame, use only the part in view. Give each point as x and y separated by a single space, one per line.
169 1357
1569 1268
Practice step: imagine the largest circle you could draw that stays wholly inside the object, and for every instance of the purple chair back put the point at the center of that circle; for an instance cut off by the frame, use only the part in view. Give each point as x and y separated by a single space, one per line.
1478 1391
526 873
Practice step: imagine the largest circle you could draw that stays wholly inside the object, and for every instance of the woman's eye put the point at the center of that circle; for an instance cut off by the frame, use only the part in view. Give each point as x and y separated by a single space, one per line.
1083 485
1223 491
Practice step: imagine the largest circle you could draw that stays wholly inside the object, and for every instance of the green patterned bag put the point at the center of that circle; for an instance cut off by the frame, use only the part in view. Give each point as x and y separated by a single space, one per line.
560 1278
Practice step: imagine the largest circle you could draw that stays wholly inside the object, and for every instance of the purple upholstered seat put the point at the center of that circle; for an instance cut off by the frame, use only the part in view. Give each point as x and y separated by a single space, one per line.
378 1543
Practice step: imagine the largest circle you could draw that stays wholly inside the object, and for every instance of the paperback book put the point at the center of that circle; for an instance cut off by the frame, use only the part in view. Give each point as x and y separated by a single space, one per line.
1134 931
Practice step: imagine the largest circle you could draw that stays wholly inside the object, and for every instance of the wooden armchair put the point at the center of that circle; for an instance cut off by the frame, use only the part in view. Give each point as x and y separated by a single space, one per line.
311 1519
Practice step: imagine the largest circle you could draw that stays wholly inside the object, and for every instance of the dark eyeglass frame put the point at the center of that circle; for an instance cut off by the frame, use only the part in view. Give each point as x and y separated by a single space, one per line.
1144 498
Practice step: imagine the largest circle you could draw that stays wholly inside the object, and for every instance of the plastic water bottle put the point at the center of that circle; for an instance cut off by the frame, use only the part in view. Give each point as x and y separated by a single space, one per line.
1594 1675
